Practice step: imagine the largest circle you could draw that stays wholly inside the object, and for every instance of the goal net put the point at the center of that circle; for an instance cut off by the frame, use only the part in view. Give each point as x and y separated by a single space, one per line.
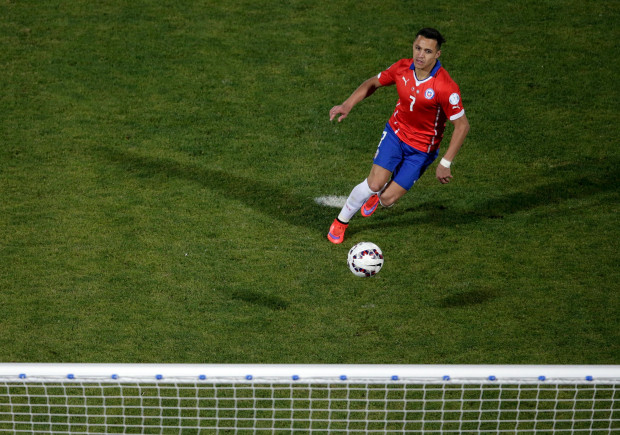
308 399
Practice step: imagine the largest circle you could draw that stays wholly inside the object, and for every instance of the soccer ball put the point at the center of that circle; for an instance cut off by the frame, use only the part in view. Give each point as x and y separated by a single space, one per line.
365 259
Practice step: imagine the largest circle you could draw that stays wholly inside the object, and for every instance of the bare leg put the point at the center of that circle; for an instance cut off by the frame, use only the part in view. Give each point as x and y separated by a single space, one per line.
377 180
392 193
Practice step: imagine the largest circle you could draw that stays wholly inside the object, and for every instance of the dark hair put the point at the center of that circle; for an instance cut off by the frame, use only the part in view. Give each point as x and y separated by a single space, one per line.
430 33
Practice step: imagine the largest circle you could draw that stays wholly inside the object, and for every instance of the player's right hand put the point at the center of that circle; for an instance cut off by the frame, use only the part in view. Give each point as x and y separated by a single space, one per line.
341 110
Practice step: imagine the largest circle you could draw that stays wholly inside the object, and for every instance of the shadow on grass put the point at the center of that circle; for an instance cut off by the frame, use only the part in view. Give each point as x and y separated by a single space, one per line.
255 298
586 178
265 197
574 181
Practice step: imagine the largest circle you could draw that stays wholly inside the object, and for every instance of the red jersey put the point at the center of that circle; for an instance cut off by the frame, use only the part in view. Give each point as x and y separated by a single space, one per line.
423 107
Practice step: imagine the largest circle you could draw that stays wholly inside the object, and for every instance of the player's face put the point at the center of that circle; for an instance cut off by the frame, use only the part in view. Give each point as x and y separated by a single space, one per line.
425 53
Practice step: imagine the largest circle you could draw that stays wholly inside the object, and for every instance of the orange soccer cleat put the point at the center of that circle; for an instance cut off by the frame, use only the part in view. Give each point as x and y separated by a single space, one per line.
336 231
370 206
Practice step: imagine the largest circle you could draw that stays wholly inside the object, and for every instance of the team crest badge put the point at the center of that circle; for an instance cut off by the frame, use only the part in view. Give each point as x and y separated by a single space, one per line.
429 94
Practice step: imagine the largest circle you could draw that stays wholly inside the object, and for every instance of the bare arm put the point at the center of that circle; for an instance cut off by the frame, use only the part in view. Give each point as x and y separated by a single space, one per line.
365 90
461 128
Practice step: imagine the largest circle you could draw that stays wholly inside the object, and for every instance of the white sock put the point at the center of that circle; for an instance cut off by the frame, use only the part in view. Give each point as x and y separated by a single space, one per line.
359 195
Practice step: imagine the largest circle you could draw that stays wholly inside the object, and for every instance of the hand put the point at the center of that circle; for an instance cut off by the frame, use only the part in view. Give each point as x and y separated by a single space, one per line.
443 174
341 110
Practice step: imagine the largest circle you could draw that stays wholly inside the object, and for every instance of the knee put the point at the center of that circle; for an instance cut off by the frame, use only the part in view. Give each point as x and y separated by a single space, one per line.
375 186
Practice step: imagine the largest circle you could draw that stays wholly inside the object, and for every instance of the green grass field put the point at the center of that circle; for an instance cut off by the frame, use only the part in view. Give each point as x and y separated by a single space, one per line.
159 162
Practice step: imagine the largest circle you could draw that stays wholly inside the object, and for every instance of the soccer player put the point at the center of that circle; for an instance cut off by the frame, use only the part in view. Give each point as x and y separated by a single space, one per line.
427 97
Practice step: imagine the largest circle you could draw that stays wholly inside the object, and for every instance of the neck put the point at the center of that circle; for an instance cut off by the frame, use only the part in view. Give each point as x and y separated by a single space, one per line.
422 74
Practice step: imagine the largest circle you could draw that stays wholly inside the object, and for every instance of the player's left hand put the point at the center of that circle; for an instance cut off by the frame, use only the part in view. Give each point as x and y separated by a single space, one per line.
443 174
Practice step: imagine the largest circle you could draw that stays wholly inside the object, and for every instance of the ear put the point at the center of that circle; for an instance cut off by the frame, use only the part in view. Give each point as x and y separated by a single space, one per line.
437 54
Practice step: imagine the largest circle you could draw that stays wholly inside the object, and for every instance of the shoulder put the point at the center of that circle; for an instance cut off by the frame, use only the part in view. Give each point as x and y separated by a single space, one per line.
395 70
403 63
400 65
444 83
444 77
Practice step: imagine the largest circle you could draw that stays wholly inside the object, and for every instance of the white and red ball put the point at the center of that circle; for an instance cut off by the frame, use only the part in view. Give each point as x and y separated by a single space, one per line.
365 259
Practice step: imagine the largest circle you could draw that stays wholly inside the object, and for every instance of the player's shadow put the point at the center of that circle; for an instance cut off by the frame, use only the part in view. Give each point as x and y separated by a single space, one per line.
573 181
580 180
267 198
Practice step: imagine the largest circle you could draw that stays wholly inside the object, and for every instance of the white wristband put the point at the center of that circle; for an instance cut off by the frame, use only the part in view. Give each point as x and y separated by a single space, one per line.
445 163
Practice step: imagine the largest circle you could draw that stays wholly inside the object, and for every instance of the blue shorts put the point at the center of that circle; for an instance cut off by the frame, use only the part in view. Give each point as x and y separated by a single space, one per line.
405 162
